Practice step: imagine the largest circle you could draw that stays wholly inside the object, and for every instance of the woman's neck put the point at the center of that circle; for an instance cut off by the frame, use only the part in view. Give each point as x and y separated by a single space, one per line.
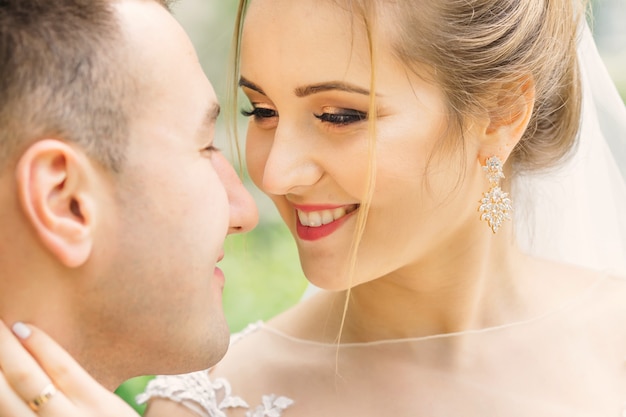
461 286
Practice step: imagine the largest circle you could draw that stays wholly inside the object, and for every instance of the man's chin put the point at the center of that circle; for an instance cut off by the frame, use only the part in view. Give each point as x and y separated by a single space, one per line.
212 349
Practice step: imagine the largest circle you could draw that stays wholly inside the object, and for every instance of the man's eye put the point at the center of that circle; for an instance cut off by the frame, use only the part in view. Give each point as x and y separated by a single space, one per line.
210 148
259 113
345 117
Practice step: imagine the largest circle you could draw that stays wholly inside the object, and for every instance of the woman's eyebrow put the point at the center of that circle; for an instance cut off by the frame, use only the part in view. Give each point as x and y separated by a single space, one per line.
329 86
311 89
244 82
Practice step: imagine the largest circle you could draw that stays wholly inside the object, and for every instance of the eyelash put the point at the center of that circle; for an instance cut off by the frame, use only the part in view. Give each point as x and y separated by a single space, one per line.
259 113
338 119
342 119
211 149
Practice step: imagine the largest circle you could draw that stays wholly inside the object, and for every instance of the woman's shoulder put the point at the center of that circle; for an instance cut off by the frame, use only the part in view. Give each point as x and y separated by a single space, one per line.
269 358
607 304
245 332
250 350
264 349
598 307
602 292
613 286
606 295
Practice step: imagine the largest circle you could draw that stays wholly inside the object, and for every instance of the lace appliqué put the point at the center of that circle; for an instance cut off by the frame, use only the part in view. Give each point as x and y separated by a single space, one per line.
273 406
197 392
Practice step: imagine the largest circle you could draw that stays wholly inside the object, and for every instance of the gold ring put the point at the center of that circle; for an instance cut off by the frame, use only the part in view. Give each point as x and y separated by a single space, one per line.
46 393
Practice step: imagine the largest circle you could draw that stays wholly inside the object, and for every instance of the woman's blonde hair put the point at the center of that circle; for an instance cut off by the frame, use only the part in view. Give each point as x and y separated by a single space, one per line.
477 47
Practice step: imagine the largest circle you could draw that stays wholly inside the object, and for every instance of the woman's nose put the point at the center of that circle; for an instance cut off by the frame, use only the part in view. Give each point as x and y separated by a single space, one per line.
289 165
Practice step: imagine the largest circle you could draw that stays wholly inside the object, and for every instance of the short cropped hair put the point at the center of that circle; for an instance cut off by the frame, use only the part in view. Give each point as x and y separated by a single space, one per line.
64 74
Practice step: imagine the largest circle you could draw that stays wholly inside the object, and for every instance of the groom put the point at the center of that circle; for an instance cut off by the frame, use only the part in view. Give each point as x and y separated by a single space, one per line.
113 207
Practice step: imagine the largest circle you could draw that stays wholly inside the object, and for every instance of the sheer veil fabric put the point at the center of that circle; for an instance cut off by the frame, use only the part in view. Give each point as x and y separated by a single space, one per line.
577 212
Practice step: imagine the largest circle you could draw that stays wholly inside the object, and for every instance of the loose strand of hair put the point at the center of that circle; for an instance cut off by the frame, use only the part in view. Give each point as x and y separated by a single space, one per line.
368 17
233 83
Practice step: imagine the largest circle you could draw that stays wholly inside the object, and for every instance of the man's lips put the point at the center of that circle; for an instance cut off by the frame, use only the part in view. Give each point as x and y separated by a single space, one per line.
217 272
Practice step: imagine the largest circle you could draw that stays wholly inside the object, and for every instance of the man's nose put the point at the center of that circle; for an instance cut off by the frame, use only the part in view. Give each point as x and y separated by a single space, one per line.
244 215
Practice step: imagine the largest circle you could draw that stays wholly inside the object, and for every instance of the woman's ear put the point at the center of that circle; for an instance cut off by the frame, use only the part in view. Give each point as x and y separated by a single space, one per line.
509 114
53 188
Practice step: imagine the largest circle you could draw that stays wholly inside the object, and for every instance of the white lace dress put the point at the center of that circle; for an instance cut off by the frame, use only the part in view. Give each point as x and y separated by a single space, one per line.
212 398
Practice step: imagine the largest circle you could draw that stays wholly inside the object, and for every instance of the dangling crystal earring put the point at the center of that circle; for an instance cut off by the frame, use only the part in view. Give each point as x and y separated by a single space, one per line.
495 206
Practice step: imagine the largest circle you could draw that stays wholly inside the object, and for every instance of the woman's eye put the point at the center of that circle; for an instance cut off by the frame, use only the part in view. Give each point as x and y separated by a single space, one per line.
260 113
345 117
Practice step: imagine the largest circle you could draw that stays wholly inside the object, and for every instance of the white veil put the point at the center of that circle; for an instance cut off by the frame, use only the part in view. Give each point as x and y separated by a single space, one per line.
577 213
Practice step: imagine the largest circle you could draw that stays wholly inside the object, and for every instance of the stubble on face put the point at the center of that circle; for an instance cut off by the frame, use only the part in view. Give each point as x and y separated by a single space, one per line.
154 306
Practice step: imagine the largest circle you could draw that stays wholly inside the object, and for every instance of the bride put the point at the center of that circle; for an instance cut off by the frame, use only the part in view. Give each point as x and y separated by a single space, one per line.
397 139
452 191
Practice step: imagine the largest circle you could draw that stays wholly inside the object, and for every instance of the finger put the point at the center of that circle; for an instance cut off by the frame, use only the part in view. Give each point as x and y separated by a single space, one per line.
12 404
79 388
60 366
24 375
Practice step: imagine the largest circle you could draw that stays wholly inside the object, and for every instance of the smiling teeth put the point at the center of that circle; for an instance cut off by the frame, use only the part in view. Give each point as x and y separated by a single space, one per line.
322 217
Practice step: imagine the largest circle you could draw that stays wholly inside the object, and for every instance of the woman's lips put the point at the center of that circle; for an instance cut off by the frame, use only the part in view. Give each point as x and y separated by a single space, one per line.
318 221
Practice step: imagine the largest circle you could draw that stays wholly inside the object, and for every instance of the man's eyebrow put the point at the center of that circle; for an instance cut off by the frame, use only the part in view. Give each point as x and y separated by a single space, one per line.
211 115
209 119
329 86
213 111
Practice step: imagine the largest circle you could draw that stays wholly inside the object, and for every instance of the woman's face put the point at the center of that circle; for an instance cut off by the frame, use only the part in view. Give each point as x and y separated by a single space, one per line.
306 71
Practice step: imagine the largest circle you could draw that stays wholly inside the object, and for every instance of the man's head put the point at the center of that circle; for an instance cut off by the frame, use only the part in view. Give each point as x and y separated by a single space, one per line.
113 206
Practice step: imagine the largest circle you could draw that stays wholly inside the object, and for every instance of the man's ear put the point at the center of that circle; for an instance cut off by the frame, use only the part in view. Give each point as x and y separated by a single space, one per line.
510 113
52 183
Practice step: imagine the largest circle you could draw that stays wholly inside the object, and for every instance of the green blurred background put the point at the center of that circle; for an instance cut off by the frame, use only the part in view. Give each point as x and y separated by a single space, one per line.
263 276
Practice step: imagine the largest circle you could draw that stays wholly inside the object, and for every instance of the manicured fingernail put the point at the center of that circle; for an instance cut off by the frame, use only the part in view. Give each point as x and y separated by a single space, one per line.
21 330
